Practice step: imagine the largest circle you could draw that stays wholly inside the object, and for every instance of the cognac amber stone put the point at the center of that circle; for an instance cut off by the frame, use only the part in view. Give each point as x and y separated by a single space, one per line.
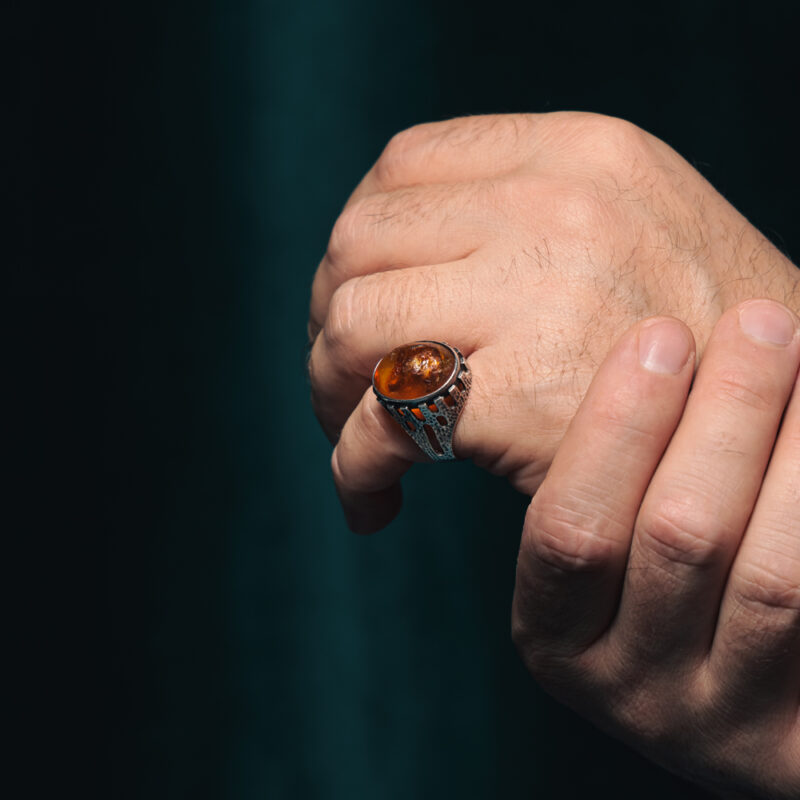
414 370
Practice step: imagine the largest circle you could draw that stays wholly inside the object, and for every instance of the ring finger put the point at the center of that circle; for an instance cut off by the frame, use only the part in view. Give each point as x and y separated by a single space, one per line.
375 313
373 452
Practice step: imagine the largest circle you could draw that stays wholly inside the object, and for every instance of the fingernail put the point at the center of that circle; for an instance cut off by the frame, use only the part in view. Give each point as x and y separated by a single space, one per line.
765 321
664 347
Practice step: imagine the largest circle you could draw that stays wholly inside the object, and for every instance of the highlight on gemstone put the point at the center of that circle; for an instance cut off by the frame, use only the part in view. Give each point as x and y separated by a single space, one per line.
414 370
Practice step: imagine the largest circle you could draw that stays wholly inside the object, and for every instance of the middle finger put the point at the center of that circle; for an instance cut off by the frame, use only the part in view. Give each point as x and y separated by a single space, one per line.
406 228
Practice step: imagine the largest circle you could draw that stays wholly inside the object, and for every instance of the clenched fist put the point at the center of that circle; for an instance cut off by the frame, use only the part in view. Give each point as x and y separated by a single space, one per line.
531 242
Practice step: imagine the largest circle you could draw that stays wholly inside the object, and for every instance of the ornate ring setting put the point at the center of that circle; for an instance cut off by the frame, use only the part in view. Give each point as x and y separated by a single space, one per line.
424 386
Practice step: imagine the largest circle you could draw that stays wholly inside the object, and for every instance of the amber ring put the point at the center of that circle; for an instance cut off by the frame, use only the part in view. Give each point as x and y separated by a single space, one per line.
424 386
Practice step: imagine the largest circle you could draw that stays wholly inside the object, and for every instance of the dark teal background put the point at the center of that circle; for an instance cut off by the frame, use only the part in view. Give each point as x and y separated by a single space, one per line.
179 166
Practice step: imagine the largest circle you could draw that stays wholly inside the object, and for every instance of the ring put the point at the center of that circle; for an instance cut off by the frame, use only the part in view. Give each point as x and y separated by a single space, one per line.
424 386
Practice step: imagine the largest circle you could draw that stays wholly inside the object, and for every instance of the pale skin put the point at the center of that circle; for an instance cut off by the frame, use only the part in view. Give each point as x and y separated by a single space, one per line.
658 584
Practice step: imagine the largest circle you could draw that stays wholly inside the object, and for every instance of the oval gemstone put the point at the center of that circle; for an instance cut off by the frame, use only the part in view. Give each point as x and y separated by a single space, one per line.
414 370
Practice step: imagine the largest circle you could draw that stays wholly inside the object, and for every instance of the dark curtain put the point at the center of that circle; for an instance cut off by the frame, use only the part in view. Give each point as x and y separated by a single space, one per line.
176 172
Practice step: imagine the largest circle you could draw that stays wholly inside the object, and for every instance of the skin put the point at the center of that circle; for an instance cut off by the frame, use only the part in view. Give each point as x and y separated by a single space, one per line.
658 580
533 242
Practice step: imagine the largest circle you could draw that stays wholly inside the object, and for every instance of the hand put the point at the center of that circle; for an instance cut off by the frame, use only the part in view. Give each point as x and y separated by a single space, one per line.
658 581
531 242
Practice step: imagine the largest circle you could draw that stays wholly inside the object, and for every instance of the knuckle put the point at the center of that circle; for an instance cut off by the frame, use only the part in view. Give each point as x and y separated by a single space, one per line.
520 631
573 207
764 619
579 210
488 129
401 151
544 653
526 641
681 531
540 657
652 703
344 475
612 138
749 389
599 138
346 235
762 591
419 143
340 477
656 711
638 712
347 462
344 315
567 536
